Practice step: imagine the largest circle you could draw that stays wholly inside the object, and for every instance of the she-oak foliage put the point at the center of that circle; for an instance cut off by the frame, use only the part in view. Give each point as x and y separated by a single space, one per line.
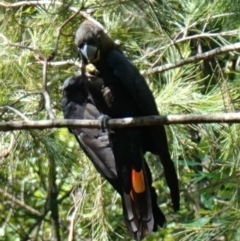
49 190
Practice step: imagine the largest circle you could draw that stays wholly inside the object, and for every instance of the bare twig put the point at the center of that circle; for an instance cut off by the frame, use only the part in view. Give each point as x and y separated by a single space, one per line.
47 103
45 2
17 112
196 36
15 102
44 76
20 203
193 59
125 122
44 59
25 47
71 234
46 96
77 200
47 99
26 95
59 63
35 3
54 52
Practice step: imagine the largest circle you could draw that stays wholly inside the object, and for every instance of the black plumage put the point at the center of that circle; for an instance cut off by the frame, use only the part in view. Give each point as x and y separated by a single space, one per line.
123 92
77 104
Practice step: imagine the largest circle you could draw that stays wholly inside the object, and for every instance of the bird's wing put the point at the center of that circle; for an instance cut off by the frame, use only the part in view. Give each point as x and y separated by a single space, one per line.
101 156
94 143
133 81
137 205
138 89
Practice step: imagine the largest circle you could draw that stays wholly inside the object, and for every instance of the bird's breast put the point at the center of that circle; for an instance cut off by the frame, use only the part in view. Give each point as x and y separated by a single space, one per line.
110 96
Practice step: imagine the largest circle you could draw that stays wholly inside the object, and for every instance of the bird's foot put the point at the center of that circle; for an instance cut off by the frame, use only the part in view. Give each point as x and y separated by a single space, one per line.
103 122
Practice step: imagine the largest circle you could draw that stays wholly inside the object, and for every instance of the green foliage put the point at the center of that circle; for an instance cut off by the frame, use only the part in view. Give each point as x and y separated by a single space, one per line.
36 165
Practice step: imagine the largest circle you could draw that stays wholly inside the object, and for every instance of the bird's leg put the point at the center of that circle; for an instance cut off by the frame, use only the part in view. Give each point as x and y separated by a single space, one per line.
103 122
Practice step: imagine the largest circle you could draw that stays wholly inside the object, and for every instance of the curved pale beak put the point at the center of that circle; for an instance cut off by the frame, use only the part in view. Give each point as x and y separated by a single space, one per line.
90 52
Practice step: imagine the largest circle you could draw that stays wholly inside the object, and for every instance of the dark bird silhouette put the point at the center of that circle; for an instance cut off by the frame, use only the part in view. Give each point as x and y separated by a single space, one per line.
123 92
141 212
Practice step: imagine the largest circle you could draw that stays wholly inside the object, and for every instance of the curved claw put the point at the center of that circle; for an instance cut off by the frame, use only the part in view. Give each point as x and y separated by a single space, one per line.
103 122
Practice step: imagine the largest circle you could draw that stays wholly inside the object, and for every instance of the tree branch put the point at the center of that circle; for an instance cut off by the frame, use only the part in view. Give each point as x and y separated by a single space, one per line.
193 59
59 29
40 55
59 63
185 39
36 3
46 96
17 112
20 203
49 2
125 122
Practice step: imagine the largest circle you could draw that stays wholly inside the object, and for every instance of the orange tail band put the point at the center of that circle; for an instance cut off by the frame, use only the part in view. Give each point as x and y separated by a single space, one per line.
138 182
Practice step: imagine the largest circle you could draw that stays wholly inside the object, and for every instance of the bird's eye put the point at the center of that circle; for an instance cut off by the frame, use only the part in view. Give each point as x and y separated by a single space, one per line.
80 46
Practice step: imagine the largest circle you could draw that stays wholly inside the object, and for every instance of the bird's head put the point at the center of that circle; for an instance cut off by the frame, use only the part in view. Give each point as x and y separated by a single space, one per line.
74 84
92 42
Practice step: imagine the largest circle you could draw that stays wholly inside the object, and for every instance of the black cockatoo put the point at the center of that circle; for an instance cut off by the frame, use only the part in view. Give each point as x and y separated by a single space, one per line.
123 92
77 104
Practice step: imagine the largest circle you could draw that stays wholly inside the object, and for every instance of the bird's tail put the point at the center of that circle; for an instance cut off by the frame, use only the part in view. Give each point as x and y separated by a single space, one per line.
168 165
159 217
137 206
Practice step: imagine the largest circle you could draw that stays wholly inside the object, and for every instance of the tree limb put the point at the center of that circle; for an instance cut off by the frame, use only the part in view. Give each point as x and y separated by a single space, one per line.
32 3
59 63
193 59
17 112
185 39
46 96
125 122
49 2
59 29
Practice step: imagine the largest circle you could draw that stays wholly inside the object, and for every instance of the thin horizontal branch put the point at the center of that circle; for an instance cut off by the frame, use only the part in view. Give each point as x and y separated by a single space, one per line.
49 2
59 63
125 122
196 36
32 3
194 59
